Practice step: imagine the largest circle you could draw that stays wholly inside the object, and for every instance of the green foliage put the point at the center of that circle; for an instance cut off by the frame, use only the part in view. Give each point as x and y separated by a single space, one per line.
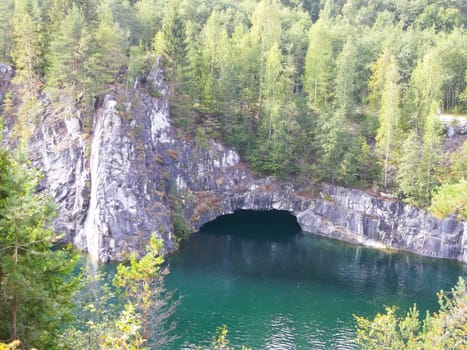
180 226
246 72
137 66
128 332
95 314
320 64
386 78
446 329
6 14
69 53
453 57
450 199
16 344
35 280
346 77
342 157
419 163
148 303
426 83
221 341
171 44
27 58
149 15
137 319
458 169
108 52
27 51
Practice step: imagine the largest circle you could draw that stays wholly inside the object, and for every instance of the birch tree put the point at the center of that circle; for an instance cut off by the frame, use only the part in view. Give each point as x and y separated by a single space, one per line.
385 86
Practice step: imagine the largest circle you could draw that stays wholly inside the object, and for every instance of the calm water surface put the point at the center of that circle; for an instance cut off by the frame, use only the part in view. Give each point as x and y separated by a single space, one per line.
277 288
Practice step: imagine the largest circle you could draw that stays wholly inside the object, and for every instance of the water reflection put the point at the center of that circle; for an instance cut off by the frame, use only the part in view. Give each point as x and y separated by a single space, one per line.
295 290
281 334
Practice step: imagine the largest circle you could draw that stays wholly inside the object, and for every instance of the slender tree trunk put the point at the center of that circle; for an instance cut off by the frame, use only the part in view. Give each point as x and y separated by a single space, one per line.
14 307
145 325
428 175
14 312
386 160
146 308
316 90
261 72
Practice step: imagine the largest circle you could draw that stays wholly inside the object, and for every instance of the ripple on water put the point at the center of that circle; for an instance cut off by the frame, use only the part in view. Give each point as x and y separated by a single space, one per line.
298 293
281 333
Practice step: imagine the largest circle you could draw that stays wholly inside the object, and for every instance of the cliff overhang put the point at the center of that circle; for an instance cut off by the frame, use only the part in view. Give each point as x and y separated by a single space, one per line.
121 174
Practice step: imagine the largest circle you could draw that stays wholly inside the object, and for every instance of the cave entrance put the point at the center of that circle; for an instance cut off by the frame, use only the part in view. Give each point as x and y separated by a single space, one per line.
274 225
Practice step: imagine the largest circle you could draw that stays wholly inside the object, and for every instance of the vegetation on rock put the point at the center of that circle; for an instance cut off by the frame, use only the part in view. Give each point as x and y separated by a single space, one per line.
354 102
347 92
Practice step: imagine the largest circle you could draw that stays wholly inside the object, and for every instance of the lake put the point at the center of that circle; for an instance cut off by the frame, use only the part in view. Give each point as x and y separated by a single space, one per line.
275 287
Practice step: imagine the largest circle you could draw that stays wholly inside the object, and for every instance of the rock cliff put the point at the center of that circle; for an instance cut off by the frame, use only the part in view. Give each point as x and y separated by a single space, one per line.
121 173
6 74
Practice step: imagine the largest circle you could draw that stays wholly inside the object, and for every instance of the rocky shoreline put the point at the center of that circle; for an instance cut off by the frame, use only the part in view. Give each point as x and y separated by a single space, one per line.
118 176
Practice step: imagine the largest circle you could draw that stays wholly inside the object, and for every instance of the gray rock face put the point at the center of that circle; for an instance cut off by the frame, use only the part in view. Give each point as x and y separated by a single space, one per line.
6 74
345 214
117 175
59 148
453 124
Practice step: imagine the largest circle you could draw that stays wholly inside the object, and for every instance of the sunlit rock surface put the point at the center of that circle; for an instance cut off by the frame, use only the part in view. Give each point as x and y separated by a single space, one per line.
6 74
119 174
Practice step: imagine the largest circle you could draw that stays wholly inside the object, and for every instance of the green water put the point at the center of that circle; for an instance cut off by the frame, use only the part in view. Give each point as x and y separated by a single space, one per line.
277 288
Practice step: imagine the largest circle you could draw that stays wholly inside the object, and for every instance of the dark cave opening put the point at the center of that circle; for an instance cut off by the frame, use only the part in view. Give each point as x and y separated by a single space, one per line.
274 225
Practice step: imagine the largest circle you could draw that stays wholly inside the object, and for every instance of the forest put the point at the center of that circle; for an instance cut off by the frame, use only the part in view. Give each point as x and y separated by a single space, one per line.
342 91
346 92
48 302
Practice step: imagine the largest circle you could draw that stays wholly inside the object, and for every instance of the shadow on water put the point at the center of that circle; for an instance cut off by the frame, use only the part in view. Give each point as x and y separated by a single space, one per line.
271 225
276 287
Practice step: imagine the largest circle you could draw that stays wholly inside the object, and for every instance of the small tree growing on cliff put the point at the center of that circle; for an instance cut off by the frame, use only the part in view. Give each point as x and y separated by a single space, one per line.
141 284
171 44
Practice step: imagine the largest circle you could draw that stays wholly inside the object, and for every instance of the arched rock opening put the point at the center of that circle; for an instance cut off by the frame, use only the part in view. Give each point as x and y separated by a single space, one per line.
274 225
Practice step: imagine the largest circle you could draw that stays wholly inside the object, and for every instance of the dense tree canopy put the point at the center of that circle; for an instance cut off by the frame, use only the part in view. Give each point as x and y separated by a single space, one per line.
309 88
343 91
35 284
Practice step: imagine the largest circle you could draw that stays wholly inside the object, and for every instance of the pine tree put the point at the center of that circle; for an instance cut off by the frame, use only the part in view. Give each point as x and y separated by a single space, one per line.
419 162
6 40
377 80
27 57
69 53
108 49
245 71
35 281
431 153
171 44
149 15
332 144
410 171
26 53
273 88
